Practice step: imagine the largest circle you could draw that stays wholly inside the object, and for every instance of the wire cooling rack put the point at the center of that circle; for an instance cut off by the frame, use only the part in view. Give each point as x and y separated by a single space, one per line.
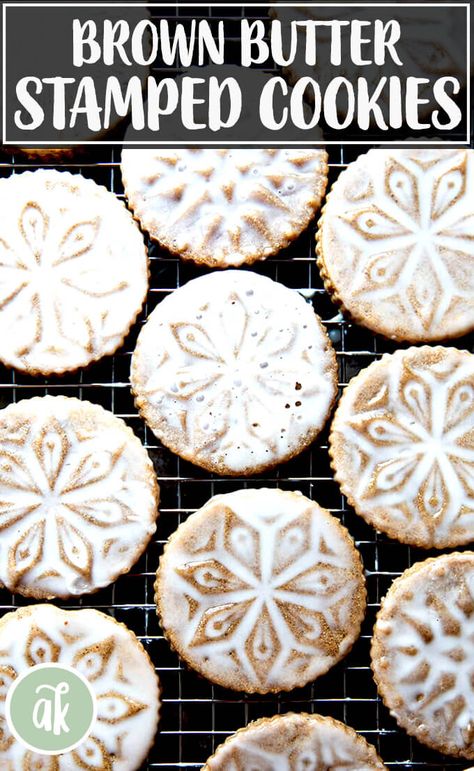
197 716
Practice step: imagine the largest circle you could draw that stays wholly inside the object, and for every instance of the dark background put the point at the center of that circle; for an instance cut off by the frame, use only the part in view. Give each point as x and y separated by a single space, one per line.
197 716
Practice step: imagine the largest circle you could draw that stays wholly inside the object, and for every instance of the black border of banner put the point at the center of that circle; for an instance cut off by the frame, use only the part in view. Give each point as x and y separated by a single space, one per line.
277 143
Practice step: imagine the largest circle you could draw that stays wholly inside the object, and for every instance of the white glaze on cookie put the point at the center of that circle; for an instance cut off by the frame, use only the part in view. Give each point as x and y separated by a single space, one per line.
119 671
423 652
234 372
224 207
402 445
261 590
78 497
73 271
396 242
294 742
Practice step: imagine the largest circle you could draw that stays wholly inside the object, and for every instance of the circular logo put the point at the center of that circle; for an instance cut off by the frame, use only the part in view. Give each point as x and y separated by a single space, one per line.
50 708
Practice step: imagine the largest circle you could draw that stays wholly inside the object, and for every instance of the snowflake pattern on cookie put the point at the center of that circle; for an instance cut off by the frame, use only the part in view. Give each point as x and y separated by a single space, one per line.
261 590
234 372
73 271
423 652
293 742
395 242
119 671
78 497
402 445
224 207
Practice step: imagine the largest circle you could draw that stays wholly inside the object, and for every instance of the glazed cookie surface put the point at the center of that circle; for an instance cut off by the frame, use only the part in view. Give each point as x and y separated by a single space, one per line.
402 446
224 207
295 741
395 243
422 652
118 669
73 272
261 590
78 497
234 372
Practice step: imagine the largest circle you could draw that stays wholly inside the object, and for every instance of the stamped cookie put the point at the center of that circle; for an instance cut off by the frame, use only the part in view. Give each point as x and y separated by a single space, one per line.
395 243
224 207
423 652
78 497
234 372
119 671
73 272
292 742
261 590
402 446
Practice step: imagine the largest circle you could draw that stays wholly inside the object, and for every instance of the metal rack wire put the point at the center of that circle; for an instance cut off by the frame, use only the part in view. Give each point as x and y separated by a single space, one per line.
197 716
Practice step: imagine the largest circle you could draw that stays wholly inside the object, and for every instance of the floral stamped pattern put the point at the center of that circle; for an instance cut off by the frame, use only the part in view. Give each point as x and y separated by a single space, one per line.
224 207
402 444
73 271
261 590
234 372
118 669
78 497
294 742
423 652
403 221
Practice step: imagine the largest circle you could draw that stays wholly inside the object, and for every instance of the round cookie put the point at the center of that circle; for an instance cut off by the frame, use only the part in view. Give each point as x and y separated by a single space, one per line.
261 590
295 741
73 272
402 446
395 243
78 497
234 372
224 207
119 671
422 652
